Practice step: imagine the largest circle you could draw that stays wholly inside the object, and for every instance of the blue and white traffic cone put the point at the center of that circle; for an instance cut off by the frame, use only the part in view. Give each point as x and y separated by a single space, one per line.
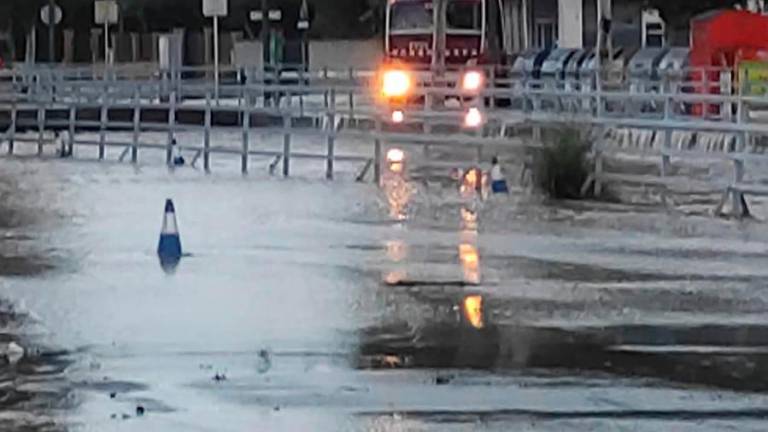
169 246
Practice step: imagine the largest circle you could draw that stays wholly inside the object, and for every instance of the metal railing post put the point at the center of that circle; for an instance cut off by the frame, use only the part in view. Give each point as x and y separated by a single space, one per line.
171 128
667 144
325 83
136 127
246 139
103 120
40 127
207 134
351 94
331 137
12 130
377 152
286 144
72 128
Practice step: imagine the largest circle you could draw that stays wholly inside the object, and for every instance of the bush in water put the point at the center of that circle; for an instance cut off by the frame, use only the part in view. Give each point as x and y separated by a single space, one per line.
562 165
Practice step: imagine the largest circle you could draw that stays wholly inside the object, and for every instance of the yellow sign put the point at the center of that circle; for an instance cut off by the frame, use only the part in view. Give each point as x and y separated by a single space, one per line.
754 78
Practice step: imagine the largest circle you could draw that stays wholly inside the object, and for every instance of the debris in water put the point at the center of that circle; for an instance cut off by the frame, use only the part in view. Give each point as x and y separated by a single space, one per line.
139 411
264 363
219 377
13 352
112 395
443 379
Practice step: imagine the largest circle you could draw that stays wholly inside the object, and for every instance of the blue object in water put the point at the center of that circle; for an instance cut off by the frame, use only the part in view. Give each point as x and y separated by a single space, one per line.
499 186
169 247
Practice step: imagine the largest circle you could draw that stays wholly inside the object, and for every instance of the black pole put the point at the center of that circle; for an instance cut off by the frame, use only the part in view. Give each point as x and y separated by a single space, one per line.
51 31
264 31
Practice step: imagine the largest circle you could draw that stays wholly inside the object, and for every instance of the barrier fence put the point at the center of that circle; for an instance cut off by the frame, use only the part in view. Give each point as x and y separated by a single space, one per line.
345 104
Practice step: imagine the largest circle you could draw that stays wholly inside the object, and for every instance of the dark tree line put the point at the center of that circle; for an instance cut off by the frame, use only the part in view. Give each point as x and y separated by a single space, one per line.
330 18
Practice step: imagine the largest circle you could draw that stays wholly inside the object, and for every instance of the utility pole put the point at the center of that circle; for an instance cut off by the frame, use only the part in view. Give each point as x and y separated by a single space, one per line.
265 34
51 31
438 44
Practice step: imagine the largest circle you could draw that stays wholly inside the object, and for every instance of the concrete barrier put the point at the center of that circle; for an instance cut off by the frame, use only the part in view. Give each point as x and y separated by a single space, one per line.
331 54
344 54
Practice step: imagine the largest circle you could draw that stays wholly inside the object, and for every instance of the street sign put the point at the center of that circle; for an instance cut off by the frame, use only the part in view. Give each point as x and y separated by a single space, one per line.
257 15
45 14
302 25
275 15
105 11
215 8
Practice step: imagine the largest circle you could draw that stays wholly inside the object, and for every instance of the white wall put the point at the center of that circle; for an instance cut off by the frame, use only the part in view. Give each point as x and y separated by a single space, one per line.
570 23
343 54
331 54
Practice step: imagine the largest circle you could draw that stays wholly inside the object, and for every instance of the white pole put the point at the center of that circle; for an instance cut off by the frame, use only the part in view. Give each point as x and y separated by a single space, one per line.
599 45
106 43
216 57
526 42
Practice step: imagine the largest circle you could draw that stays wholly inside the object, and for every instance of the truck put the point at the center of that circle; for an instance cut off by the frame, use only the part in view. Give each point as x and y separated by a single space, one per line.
452 44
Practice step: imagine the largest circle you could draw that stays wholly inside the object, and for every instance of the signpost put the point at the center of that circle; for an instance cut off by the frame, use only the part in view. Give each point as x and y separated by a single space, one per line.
105 13
51 15
215 9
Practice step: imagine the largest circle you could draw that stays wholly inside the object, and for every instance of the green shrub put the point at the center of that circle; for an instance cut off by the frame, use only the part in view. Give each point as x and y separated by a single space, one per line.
562 165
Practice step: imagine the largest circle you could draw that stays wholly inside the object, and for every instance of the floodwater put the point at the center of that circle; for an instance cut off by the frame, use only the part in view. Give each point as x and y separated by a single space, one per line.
310 305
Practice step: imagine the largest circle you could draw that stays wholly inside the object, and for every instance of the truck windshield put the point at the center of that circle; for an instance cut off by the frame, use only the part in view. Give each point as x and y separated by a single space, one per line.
411 15
465 15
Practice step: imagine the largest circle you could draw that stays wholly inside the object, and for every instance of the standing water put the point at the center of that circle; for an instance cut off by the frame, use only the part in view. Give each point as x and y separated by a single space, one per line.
309 305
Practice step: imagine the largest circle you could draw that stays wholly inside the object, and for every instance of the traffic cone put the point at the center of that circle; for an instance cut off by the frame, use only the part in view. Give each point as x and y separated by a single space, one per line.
169 246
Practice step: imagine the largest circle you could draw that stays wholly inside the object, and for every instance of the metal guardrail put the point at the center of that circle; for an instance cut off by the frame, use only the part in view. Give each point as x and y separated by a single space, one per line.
665 105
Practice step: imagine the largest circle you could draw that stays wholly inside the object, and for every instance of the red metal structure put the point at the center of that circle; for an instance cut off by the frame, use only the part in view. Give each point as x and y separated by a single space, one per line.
723 39
411 31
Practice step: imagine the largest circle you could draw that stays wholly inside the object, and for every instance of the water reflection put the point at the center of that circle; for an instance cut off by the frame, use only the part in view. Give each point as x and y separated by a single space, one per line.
473 311
169 264
469 257
468 219
398 190
470 263
397 250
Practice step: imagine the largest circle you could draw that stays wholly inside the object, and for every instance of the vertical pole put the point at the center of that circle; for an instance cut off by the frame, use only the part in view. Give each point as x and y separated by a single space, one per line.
599 48
72 129
246 139
51 30
526 42
331 136
12 132
352 94
103 124
40 128
216 57
171 128
665 159
136 127
377 154
106 45
598 98
598 167
738 176
207 134
286 145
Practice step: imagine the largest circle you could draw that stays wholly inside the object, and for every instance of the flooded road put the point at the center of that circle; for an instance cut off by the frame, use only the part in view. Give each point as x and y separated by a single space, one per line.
309 305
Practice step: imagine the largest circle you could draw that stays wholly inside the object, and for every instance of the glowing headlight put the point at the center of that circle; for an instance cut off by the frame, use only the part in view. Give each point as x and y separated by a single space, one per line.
395 155
473 118
396 83
472 81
